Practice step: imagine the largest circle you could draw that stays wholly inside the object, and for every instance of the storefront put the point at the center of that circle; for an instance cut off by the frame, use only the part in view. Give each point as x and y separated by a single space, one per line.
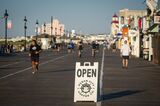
156 48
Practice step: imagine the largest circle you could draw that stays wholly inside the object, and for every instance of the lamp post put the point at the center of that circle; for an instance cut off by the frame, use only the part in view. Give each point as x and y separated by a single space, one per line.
25 28
51 25
44 25
37 23
52 37
6 20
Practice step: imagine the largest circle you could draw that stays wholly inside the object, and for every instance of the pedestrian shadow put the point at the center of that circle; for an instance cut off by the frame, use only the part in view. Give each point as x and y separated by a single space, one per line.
119 94
7 54
58 71
4 68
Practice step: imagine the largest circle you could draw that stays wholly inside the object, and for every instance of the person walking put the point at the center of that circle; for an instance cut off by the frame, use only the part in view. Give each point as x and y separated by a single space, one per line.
72 46
80 48
69 47
114 47
94 47
125 52
104 45
97 46
53 46
34 52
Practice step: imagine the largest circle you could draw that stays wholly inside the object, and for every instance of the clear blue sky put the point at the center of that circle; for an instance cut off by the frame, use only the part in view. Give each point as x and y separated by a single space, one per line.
89 16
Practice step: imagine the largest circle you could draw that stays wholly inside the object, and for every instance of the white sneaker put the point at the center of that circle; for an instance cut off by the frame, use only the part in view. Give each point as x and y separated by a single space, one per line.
33 72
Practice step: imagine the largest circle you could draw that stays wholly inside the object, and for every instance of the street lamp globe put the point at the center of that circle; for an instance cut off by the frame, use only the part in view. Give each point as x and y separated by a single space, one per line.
25 19
6 14
37 23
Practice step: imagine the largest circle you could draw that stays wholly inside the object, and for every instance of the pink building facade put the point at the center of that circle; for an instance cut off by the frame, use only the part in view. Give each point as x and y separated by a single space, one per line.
57 28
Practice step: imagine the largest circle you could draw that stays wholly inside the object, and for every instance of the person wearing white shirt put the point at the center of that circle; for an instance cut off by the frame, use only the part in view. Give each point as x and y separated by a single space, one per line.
125 52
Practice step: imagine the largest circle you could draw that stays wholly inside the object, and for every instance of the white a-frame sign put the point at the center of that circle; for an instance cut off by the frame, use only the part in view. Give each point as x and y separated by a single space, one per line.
86 82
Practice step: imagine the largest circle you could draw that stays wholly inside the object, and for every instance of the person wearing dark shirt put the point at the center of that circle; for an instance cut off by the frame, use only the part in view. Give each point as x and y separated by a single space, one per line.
72 46
35 49
80 48
97 46
94 47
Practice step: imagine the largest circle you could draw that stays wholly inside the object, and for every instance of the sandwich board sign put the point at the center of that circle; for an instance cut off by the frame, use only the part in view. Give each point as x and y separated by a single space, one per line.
86 82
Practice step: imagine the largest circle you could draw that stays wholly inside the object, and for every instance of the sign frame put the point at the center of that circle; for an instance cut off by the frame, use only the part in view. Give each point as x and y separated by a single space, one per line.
86 82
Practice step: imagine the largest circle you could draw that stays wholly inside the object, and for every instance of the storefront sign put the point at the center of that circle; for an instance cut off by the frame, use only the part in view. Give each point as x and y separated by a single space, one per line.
157 19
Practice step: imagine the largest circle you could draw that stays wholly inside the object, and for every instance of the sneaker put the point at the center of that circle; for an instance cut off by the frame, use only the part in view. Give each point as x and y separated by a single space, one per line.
33 72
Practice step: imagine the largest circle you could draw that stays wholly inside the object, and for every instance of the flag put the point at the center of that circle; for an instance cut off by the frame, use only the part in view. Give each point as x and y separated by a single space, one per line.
9 24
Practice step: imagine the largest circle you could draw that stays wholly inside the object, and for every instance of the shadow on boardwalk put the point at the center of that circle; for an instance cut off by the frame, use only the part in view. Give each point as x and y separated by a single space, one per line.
119 94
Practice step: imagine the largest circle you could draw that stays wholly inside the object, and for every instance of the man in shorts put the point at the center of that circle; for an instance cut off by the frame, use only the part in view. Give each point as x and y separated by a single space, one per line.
34 51
125 52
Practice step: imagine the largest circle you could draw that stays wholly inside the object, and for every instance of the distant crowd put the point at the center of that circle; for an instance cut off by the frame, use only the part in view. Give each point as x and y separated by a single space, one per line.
6 48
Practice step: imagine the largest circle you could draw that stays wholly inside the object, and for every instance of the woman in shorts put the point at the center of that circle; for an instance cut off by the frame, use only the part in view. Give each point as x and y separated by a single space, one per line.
34 52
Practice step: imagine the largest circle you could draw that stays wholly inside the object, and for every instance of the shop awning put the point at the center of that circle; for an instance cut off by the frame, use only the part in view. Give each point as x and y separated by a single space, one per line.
118 34
153 29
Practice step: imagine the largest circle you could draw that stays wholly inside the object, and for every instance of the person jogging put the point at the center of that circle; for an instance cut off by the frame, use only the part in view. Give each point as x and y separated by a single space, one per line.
34 52
125 52
80 48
